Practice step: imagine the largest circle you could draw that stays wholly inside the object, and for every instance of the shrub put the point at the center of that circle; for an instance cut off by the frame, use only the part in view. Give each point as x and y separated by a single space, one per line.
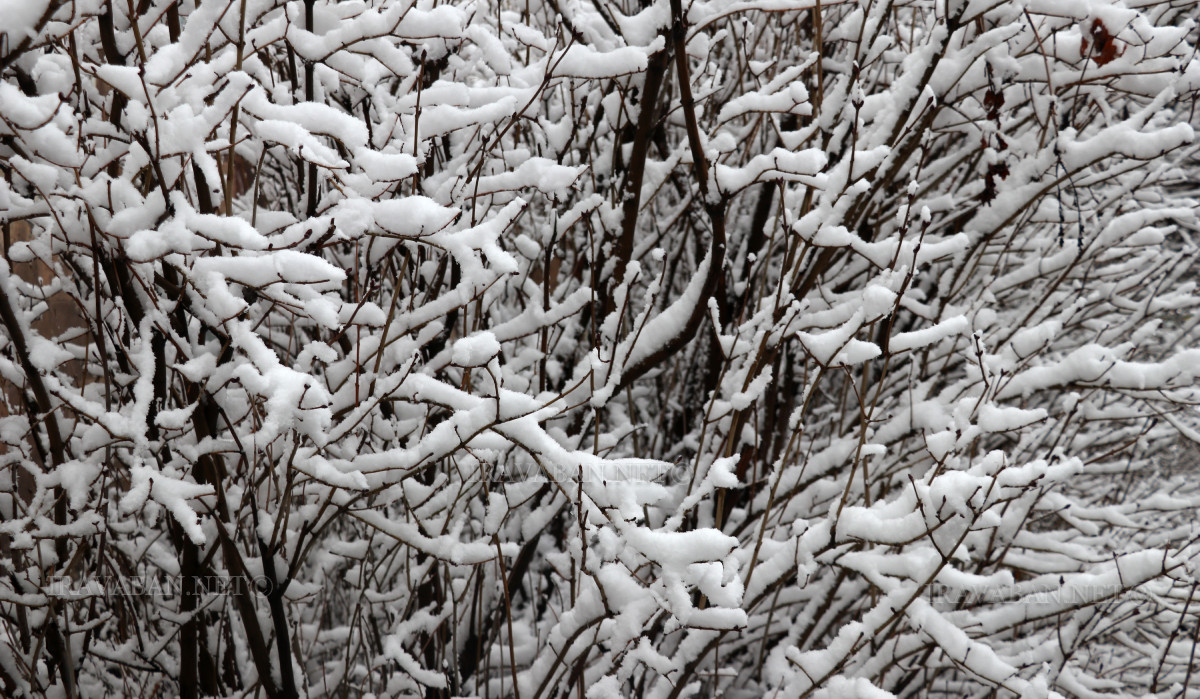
759 348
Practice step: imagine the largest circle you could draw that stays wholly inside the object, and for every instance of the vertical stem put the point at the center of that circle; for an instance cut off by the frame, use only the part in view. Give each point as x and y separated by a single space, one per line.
59 647
230 170
311 180
188 654
623 250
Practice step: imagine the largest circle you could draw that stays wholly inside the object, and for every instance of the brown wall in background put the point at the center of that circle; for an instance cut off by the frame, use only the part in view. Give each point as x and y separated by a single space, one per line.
62 315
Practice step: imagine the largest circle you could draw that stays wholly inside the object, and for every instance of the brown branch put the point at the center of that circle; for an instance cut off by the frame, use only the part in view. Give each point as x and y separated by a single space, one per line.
715 208
636 170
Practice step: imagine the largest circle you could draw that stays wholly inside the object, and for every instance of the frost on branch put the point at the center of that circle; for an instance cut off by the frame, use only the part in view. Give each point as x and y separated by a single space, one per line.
602 349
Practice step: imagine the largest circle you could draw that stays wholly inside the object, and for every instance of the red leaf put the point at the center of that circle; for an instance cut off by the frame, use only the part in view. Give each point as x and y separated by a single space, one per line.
1104 45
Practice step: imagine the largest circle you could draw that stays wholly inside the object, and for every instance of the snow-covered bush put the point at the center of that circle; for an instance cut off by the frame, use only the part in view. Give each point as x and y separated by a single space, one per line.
593 348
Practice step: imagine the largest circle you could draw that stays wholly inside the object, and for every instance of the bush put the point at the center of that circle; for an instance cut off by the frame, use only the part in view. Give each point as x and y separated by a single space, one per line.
758 348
